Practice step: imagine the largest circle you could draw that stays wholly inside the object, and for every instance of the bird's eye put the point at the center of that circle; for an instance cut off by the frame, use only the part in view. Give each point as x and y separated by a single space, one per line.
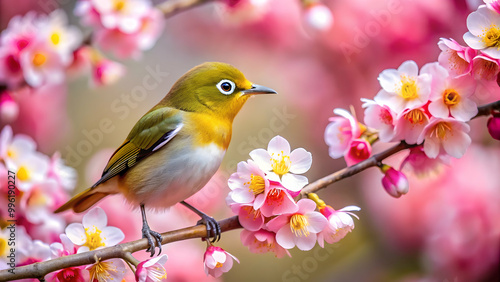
226 86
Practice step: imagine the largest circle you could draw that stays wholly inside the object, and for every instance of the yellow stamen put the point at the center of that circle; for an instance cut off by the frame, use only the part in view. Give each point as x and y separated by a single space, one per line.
218 265
39 59
491 36
100 271
119 5
415 116
409 88
256 184
451 97
23 174
55 38
298 225
441 130
94 239
11 153
280 164
3 246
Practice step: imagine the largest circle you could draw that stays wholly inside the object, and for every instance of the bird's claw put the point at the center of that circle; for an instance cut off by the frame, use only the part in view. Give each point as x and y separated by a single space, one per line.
154 240
213 228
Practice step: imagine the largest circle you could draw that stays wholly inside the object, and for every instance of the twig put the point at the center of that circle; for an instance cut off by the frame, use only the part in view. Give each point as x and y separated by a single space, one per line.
172 7
40 269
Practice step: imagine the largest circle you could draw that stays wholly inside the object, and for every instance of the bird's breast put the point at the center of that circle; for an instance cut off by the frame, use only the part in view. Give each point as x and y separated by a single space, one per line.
174 173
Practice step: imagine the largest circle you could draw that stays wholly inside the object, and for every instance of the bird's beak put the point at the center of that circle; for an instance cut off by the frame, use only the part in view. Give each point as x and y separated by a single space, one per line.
258 89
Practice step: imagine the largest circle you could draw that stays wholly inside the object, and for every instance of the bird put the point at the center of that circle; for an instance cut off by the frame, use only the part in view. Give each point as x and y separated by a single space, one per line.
176 147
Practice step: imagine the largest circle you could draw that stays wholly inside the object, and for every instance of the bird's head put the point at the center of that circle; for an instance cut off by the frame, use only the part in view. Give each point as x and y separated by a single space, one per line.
215 88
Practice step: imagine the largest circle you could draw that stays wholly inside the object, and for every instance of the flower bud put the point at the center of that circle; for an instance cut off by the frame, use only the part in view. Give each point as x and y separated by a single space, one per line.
9 109
394 182
318 17
107 72
359 150
494 126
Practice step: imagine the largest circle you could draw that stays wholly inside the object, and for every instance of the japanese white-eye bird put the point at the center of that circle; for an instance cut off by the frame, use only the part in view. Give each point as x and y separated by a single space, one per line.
176 147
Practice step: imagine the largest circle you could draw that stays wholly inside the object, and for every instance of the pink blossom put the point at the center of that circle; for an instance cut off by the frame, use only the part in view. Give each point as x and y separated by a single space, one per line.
276 200
339 223
108 270
217 261
450 95
41 64
93 233
10 67
106 72
18 35
248 182
340 132
64 175
63 39
404 88
359 150
421 165
483 31
456 58
298 228
29 251
445 136
410 124
250 218
152 270
262 241
494 126
485 68
394 182
493 5
283 165
381 118
125 27
9 108
66 248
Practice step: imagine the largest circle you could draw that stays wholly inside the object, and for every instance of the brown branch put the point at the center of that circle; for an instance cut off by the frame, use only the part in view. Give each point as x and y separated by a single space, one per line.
40 269
354 169
172 7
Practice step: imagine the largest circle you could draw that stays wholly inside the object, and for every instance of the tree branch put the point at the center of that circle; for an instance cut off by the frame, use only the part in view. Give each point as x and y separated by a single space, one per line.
40 269
172 7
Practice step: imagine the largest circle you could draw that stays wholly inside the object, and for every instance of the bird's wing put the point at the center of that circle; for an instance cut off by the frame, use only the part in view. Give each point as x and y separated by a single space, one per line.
153 131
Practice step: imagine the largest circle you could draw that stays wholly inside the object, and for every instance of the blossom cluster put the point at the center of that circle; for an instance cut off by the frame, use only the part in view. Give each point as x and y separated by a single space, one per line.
41 184
37 49
125 27
262 194
427 107
38 185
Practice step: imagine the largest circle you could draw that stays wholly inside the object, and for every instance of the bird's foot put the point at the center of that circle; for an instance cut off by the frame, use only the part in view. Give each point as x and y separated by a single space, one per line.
154 239
213 227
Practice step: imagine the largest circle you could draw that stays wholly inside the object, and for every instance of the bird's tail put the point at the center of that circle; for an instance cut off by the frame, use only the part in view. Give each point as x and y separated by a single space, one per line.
84 200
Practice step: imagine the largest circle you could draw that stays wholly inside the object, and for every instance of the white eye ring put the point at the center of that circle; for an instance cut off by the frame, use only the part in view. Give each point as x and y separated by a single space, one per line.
224 88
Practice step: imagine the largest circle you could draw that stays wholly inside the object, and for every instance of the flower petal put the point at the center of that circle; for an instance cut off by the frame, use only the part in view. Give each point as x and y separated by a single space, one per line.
262 158
301 160
112 235
95 217
278 145
306 243
76 233
285 237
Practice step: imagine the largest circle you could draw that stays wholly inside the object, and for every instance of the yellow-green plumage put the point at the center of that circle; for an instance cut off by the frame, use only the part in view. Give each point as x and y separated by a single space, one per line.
176 147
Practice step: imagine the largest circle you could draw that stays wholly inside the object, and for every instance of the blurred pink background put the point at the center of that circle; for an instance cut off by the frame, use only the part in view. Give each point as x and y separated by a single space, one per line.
445 229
